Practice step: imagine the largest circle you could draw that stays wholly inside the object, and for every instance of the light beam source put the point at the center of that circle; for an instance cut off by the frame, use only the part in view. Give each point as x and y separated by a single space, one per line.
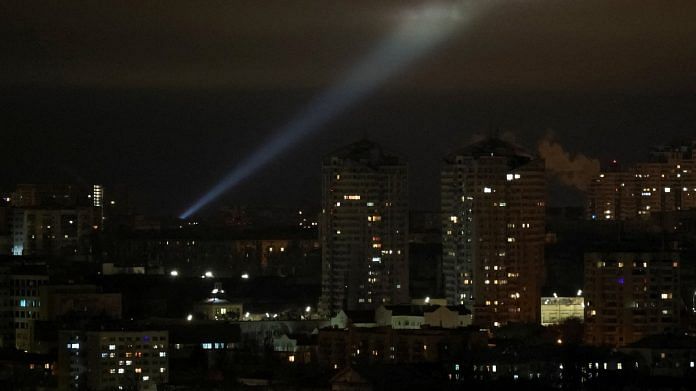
419 31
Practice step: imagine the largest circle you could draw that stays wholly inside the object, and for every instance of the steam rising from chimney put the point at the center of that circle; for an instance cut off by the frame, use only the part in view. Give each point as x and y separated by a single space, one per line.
577 171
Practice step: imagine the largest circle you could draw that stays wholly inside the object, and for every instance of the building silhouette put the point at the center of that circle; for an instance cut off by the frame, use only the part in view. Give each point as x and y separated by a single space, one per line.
664 183
493 202
364 227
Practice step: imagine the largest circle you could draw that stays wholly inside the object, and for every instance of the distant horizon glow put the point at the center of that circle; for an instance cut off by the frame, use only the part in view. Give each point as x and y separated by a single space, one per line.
420 30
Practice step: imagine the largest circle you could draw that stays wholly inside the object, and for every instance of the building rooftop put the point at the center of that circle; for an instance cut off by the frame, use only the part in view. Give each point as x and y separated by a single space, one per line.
493 146
420 310
364 152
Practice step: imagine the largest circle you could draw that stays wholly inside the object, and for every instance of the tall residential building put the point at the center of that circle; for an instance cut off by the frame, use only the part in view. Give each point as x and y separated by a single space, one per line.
493 201
364 226
54 232
55 219
629 295
54 195
665 183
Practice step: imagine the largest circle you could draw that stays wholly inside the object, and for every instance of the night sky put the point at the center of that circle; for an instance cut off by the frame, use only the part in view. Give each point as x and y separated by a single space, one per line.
166 97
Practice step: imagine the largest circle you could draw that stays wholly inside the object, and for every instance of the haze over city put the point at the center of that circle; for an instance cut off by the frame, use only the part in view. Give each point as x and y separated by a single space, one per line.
342 195
99 93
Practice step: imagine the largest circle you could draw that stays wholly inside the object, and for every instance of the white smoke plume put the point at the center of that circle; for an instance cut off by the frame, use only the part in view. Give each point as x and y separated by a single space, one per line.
573 170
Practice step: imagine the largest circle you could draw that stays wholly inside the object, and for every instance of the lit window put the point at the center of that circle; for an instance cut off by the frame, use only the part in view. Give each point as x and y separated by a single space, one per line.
112 347
487 190
121 370
291 358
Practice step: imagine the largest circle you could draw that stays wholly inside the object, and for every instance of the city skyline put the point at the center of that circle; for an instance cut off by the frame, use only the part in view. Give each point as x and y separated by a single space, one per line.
333 195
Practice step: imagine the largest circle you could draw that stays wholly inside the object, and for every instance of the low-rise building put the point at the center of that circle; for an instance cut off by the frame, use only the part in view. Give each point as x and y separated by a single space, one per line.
359 318
665 355
114 359
296 348
60 300
400 316
420 316
556 310
341 347
448 317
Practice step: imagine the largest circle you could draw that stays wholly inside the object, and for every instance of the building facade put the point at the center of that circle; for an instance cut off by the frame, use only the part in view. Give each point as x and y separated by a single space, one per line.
19 290
54 232
112 360
665 183
556 310
364 227
630 295
493 203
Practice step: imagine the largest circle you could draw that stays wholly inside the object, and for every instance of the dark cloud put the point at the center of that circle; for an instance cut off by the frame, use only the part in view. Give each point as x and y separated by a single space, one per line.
167 96
532 44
